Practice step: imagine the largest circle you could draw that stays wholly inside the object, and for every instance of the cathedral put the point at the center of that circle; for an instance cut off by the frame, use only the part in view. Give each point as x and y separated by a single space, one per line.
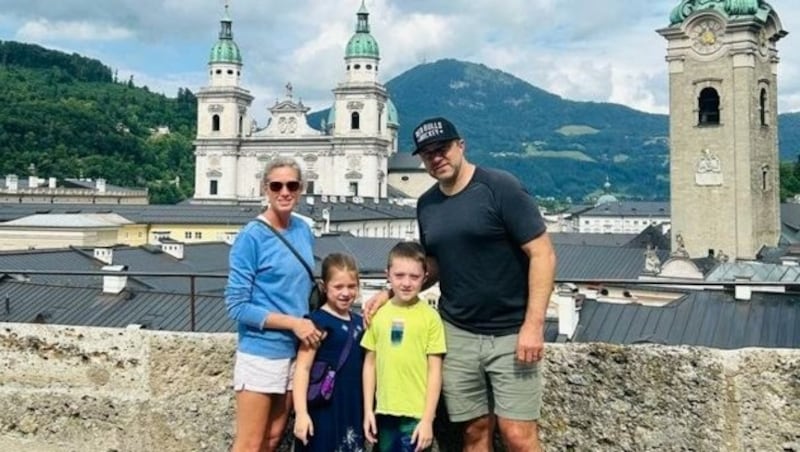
348 158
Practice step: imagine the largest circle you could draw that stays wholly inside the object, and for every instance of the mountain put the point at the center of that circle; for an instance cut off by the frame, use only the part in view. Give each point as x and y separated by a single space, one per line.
67 116
557 147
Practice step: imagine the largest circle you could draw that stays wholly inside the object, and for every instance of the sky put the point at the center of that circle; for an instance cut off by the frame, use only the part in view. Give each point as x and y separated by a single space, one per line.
587 50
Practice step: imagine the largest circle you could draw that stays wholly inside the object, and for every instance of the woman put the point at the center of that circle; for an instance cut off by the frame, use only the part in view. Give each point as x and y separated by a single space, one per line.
267 295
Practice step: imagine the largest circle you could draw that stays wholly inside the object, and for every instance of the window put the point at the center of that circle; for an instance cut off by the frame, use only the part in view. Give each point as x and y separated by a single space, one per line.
230 71
310 187
215 123
369 67
708 107
212 187
356 66
762 106
198 235
353 189
241 122
187 235
764 174
355 121
219 71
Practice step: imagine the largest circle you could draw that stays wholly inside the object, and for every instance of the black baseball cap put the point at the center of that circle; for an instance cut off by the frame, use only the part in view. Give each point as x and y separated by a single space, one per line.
433 130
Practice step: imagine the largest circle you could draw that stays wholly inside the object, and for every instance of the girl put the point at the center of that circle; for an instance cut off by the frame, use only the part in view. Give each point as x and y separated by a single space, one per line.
335 424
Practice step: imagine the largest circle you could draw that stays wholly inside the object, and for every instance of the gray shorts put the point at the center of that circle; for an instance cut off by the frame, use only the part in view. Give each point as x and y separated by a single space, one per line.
482 375
267 376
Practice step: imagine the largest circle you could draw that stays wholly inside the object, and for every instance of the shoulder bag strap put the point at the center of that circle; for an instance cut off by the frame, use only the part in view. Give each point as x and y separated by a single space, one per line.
291 248
349 345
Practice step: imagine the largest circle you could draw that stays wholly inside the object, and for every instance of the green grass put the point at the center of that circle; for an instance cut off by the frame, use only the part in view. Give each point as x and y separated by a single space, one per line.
573 130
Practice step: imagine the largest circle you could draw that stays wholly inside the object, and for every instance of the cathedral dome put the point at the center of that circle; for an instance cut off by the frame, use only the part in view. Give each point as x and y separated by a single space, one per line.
225 50
362 44
730 8
392 119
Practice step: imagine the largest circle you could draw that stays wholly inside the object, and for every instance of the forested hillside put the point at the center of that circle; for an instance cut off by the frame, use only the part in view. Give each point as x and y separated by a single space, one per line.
70 117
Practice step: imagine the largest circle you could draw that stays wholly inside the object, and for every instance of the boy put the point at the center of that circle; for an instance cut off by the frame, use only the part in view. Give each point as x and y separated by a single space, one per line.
405 344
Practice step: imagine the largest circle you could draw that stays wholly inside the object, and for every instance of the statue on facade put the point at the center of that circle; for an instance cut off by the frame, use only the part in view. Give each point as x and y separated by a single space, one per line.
680 251
652 264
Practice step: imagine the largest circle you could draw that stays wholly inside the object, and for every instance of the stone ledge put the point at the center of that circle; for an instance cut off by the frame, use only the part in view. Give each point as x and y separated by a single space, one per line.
95 389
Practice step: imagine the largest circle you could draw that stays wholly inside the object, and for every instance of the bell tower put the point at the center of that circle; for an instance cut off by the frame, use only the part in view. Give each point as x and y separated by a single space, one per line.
724 186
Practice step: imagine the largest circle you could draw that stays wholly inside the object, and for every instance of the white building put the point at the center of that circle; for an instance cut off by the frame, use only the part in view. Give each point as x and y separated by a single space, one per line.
348 158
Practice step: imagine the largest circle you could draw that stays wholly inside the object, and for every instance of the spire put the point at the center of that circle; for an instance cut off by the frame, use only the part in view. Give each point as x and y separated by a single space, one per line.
225 50
226 24
363 19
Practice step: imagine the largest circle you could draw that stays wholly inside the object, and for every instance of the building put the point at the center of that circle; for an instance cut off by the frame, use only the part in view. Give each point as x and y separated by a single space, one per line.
348 158
33 189
621 217
724 188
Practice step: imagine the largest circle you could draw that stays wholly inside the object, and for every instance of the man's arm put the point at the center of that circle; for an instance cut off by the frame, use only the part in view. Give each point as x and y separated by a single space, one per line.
541 274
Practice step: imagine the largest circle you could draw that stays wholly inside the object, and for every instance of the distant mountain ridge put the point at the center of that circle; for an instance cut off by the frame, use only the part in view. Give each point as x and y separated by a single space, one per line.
558 147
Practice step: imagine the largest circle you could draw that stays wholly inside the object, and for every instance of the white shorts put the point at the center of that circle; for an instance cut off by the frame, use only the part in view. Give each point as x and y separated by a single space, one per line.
267 376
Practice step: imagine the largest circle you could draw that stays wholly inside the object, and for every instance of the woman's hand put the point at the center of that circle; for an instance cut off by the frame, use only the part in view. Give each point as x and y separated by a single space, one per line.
303 427
307 332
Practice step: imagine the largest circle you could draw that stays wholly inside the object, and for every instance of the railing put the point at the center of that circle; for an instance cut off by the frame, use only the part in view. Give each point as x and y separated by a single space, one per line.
599 283
133 274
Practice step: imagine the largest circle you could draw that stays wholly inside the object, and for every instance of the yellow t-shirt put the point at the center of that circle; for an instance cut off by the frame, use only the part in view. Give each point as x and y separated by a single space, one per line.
402 337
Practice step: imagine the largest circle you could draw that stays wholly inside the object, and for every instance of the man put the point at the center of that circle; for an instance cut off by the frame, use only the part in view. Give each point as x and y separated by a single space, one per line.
489 249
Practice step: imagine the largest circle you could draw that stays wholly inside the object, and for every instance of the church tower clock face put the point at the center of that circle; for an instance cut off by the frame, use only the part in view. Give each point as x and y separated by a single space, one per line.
706 36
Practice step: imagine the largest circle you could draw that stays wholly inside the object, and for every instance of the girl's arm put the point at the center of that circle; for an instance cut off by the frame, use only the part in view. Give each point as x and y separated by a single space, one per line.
368 376
303 427
423 434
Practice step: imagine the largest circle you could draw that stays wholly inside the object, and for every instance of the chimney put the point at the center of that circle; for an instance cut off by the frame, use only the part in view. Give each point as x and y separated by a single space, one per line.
12 182
100 185
567 311
742 291
51 182
113 284
104 255
174 249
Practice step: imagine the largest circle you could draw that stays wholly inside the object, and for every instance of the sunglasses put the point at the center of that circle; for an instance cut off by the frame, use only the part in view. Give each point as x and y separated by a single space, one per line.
276 186
430 154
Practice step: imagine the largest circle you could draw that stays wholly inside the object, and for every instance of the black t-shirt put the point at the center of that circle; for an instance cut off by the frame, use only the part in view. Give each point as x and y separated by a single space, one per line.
476 237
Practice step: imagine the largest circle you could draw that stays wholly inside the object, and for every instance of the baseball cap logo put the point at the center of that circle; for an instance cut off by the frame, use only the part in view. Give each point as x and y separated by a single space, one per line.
428 130
433 130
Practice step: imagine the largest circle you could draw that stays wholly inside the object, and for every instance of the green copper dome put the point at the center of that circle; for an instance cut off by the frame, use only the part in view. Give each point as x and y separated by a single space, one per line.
362 44
392 119
730 8
225 50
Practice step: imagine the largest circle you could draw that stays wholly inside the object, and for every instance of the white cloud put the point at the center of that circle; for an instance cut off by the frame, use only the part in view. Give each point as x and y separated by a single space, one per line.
579 49
44 30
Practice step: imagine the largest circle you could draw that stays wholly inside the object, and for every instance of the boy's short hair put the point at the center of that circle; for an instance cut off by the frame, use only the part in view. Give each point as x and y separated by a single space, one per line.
408 250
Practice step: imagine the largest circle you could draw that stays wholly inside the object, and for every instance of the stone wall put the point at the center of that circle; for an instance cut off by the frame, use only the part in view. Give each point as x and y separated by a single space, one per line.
92 389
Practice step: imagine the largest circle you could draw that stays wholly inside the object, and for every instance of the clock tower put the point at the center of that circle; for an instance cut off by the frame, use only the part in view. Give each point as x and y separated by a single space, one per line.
724 187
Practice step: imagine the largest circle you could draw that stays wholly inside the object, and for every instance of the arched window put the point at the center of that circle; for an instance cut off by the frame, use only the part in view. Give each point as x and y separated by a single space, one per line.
708 107
355 121
215 123
764 177
241 124
762 106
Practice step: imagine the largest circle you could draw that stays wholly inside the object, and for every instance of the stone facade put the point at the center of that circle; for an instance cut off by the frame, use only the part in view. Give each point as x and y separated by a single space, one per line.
723 131
93 389
349 157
